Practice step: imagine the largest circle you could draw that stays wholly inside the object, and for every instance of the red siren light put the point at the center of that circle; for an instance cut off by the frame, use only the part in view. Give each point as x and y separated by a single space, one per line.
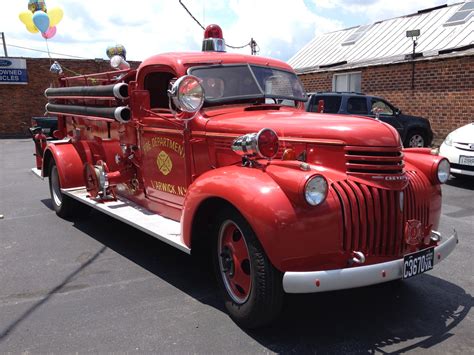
213 31
213 39
267 143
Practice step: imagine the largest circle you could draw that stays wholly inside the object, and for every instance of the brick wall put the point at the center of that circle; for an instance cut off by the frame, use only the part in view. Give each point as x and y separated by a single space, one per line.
18 103
444 89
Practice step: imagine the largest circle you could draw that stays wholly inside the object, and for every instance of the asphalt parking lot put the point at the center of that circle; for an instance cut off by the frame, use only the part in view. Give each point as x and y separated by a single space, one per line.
98 285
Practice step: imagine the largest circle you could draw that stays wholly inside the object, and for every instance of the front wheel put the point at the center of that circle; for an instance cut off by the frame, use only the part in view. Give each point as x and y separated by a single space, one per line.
251 286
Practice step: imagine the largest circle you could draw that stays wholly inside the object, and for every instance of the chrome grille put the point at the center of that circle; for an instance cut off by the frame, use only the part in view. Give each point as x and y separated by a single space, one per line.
372 219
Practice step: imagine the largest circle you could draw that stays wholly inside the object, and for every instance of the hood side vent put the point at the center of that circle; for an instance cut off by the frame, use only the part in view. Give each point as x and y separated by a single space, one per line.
263 108
376 160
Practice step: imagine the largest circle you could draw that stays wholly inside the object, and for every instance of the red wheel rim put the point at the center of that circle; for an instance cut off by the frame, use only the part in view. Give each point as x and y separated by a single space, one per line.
234 262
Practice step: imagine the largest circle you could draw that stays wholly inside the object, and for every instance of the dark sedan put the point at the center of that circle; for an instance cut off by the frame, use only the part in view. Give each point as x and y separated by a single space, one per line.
414 131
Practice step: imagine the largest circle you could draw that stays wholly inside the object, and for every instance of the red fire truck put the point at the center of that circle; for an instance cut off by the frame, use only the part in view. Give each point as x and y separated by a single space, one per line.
213 152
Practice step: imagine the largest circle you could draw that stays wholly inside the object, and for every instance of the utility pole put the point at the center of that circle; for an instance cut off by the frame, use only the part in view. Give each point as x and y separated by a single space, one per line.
4 44
413 34
413 65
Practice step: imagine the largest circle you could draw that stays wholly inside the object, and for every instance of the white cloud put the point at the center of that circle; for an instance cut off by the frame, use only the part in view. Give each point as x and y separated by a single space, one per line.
147 27
279 27
88 27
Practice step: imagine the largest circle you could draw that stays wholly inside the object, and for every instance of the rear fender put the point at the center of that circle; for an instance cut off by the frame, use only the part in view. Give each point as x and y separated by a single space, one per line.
68 162
292 233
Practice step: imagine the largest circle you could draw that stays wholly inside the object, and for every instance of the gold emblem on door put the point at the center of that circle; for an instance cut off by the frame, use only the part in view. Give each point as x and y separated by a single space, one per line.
164 163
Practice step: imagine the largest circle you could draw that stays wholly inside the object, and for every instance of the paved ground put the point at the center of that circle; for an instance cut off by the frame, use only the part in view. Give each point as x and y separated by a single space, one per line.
99 285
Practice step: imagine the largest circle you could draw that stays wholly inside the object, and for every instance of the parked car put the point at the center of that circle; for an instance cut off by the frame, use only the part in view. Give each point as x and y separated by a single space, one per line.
458 147
48 124
414 131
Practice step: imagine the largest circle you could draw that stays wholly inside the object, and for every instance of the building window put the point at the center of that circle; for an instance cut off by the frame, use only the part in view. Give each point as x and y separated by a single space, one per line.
347 82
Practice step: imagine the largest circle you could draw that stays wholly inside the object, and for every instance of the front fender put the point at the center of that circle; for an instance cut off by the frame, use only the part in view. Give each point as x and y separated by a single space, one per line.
68 162
295 236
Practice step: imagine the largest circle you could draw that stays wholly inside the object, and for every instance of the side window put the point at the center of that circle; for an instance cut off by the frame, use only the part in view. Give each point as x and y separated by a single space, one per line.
331 103
357 105
382 106
157 85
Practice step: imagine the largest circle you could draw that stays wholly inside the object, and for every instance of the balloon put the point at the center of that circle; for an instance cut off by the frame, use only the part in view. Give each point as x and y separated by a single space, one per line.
37 5
56 68
118 49
26 17
55 16
49 33
32 28
41 21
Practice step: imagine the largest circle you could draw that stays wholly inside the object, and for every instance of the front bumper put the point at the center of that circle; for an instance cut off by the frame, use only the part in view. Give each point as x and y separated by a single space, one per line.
330 280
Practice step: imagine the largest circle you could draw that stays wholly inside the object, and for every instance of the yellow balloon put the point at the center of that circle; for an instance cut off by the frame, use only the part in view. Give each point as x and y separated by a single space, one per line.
26 17
55 16
32 28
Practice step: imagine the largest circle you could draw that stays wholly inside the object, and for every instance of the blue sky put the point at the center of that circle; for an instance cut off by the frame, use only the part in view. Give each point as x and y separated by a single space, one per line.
147 27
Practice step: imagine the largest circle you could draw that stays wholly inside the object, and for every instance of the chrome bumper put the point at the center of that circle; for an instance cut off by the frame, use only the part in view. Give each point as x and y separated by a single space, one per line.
330 280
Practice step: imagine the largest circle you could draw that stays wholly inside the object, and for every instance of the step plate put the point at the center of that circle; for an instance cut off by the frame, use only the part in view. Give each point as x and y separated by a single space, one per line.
37 173
164 229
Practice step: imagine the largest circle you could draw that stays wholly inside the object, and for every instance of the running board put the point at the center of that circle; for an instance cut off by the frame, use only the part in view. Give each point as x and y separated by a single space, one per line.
37 173
164 229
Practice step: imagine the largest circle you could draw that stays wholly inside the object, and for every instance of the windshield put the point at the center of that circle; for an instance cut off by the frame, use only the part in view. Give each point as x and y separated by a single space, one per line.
226 83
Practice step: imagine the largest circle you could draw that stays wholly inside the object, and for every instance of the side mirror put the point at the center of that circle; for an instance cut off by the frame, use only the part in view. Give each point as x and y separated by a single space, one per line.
398 112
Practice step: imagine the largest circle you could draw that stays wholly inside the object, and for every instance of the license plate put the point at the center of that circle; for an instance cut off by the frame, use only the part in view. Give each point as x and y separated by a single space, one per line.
464 160
418 263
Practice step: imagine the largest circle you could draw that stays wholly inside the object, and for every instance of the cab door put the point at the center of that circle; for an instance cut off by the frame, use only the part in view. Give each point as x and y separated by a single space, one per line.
163 146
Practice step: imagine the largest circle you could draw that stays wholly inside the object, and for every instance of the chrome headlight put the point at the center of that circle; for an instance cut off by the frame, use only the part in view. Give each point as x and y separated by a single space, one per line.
443 171
316 190
187 94
449 140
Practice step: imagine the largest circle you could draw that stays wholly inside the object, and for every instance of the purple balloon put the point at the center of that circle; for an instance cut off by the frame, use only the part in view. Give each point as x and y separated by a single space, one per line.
49 33
41 21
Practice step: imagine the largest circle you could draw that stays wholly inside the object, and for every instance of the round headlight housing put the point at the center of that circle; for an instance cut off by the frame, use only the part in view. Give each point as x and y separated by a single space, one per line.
443 171
187 94
316 190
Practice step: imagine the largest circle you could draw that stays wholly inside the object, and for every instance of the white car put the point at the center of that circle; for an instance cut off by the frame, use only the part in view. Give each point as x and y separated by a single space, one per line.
458 147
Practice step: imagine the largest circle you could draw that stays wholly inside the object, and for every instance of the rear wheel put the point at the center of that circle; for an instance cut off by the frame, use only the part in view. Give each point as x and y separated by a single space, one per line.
63 205
251 286
415 139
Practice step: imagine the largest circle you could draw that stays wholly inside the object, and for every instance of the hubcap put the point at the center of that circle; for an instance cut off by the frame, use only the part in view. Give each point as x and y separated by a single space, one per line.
55 188
416 141
234 262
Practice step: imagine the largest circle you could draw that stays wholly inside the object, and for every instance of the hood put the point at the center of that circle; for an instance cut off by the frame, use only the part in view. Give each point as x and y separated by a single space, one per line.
295 124
464 134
